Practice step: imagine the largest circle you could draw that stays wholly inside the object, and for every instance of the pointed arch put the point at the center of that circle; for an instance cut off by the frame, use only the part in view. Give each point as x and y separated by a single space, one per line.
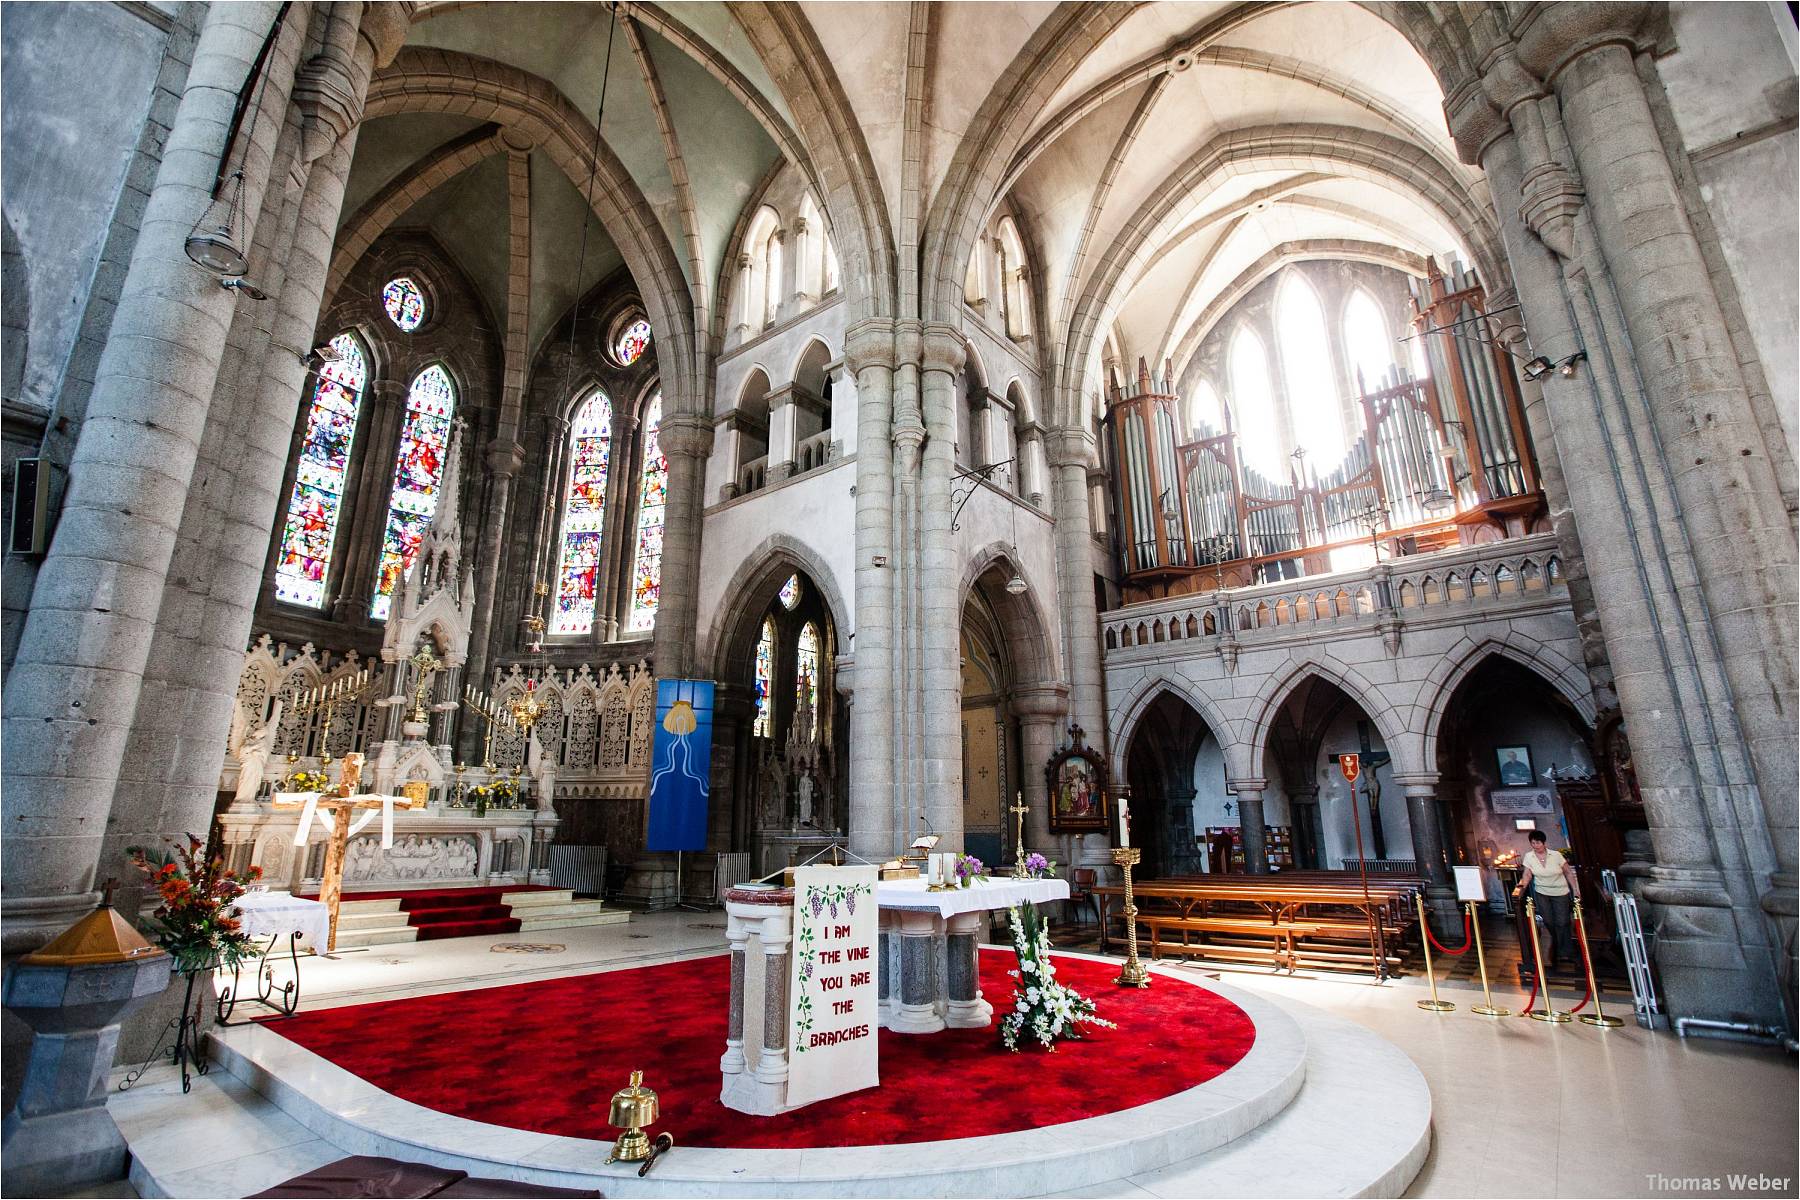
1567 678
1401 740
754 584
1127 717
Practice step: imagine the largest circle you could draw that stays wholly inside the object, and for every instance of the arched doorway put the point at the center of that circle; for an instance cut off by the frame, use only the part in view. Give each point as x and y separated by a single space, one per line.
779 727
1175 766
1314 818
1514 755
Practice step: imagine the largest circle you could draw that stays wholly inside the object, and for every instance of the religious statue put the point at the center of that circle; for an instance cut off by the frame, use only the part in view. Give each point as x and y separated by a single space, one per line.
803 794
253 757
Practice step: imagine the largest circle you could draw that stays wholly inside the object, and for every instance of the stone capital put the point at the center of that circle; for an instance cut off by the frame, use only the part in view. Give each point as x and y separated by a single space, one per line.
385 25
1551 36
1475 124
1241 786
869 344
1071 448
1423 784
1041 702
685 435
505 458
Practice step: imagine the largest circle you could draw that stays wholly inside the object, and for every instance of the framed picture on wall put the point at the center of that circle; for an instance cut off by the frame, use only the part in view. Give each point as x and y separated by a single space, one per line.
1076 775
1515 766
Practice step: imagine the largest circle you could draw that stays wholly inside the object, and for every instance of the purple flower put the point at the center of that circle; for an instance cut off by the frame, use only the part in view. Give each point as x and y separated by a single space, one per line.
1036 864
968 866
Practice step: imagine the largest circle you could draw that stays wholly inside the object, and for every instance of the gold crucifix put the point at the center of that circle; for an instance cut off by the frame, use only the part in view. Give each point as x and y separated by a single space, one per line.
1019 808
334 807
426 663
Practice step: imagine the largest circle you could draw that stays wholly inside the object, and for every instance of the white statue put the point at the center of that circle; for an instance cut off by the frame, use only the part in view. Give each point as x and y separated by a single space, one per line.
253 757
804 791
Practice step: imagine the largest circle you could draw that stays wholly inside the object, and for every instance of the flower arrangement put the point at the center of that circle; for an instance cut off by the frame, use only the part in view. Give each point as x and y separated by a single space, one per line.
1042 1008
308 781
193 923
969 869
500 793
1037 866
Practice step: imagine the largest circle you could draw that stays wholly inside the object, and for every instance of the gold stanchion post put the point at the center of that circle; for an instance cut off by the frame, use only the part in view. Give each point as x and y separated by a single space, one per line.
1486 1007
1132 974
1598 1017
1433 1004
1543 977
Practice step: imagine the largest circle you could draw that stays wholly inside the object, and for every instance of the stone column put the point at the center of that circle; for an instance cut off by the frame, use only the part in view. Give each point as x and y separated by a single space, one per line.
1250 823
875 823
732 1061
1040 709
890 973
917 1012
939 745
776 936
685 440
73 690
1606 264
843 409
1303 803
783 421
768 917
965 1008
1072 454
1428 848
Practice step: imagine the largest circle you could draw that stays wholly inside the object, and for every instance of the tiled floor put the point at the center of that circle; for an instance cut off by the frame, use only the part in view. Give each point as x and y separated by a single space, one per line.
1520 1108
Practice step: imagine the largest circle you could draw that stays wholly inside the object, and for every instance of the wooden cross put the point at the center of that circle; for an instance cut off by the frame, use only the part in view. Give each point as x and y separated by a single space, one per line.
334 808
1019 808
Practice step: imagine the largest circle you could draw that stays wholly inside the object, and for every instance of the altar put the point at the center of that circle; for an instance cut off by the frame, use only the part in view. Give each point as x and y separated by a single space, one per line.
929 943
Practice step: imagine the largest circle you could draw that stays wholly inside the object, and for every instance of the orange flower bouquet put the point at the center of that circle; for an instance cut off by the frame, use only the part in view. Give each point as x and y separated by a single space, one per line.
193 922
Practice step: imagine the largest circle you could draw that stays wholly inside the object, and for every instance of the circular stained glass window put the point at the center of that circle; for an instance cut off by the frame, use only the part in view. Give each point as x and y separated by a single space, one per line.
405 304
634 339
790 593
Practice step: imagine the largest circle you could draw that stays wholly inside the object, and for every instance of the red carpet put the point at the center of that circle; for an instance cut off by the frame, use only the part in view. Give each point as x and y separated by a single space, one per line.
454 912
548 1056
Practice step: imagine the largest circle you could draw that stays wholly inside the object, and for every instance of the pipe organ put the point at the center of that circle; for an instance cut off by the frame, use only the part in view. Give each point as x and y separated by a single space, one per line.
1442 459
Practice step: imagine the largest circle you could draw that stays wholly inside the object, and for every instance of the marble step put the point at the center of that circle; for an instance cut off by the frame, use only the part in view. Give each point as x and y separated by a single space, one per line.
574 921
567 908
384 936
347 919
520 900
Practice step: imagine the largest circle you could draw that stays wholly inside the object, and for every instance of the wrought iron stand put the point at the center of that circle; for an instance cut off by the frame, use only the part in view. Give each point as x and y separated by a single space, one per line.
190 1044
282 1001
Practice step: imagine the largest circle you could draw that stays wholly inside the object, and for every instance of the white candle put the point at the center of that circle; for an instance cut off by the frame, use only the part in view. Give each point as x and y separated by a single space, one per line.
1124 824
932 864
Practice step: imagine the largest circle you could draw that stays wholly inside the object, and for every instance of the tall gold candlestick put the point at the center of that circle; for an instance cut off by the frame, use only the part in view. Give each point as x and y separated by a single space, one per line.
1132 974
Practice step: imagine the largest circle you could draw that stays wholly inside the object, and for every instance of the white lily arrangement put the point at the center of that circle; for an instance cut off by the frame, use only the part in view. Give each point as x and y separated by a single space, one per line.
1042 1008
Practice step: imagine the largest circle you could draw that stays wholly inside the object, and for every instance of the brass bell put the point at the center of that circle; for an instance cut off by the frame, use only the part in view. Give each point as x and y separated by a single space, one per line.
633 1108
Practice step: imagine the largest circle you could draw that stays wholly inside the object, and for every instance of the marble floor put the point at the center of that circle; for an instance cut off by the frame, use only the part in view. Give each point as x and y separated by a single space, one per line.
1627 1112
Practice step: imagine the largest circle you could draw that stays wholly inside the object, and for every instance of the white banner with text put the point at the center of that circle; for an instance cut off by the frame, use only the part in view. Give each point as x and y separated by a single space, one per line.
833 990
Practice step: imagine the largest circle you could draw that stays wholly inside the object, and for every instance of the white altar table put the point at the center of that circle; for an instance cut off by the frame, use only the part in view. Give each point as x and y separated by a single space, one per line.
278 914
923 991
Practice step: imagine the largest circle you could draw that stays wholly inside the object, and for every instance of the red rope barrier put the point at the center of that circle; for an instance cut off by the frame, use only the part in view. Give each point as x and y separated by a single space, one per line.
1531 999
1468 938
1588 975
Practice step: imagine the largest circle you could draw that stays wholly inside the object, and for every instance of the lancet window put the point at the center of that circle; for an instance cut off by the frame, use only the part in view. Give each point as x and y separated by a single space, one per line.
646 574
584 516
806 677
418 470
1366 340
1318 419
316 503
765 674
1253 404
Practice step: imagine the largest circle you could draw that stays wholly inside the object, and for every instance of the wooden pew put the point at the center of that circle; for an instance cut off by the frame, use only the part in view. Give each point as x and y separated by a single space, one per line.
1316 918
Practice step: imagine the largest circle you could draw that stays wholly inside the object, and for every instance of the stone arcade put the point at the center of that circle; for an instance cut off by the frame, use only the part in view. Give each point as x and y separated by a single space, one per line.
1195 393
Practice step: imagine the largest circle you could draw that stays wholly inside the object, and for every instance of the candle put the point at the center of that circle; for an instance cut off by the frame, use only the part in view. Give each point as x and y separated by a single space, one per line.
931 869
1124 824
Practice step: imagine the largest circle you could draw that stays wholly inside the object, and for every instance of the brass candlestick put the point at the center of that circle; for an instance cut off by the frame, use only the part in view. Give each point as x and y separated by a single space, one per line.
1132 974
1598 1017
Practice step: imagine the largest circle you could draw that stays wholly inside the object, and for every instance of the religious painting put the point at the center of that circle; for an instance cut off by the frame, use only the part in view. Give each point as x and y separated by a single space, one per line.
1515 766
1076 776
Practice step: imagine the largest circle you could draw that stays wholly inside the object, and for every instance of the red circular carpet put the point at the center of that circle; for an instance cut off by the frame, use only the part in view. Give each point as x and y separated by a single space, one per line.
548 1056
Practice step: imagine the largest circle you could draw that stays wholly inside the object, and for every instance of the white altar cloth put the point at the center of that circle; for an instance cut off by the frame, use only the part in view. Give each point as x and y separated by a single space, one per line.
980 896
277 914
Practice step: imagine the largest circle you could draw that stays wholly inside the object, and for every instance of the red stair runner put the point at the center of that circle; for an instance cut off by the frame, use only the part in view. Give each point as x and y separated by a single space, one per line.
454 912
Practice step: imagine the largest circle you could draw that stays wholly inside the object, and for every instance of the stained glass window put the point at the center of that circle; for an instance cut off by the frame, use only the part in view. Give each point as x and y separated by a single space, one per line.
584 515
790 593
1253 406
646 573
633 342
318 497
1305 361
405 304
765 671
1366 338
424 439
806 677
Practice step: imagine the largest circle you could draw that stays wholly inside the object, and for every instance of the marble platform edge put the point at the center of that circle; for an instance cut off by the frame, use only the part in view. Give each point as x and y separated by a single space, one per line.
350 1112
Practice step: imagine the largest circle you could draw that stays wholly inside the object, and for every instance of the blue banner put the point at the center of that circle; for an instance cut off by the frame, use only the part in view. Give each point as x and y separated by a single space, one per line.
680 765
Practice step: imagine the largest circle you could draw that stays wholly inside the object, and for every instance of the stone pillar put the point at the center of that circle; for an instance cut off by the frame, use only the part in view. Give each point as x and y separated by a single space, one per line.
783 423
732 1061
843 409
939 744
1072 454
875 823
1653 423
1250 824
890 974
768 917
1032 465
917 1011
73 690
1040 710
965 1009
685 440
1428 848
1303 804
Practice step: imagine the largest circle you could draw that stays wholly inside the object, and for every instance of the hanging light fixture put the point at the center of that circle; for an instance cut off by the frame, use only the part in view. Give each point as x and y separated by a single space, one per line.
1016 586
212 243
